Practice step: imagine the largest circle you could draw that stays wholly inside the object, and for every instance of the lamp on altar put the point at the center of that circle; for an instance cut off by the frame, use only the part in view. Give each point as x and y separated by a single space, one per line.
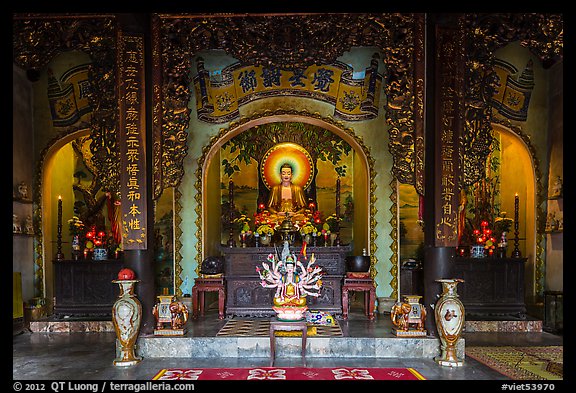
59 254
312 206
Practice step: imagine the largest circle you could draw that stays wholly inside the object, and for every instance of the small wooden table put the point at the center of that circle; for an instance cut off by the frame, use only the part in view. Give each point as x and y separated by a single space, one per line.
202 285
359 284
287 326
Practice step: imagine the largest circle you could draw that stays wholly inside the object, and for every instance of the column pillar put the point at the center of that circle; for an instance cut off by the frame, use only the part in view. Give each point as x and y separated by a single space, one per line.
136 171
443 127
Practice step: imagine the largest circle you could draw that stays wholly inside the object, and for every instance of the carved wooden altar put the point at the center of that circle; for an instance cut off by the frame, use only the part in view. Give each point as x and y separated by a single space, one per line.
85 288
246 297
492 287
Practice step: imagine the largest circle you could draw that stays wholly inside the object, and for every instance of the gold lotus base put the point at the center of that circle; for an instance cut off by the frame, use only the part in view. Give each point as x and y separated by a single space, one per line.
290 313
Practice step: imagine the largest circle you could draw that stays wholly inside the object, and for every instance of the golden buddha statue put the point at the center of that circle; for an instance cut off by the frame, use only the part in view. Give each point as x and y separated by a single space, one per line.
286 198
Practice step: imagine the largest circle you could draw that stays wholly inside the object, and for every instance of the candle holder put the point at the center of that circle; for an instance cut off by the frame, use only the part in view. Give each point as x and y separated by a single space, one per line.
231 241
59 253
337 240
516 252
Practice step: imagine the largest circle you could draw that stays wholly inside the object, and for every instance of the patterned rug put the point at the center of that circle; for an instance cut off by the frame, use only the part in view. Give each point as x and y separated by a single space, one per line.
522 363
261 328
289 373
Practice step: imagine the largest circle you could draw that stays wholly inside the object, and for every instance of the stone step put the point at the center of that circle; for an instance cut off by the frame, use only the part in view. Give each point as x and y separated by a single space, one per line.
64 326
518 326
320 347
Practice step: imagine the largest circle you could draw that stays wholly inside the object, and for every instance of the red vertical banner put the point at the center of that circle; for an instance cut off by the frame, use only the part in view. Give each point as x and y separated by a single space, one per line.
132 141
448 128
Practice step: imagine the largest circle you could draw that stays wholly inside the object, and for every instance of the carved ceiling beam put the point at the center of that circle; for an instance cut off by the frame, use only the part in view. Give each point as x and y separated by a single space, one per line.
291 41
37 39
485 33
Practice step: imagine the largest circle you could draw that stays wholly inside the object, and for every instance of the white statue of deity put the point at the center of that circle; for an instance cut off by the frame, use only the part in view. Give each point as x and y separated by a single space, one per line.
16 227
22 190
28 225
557 187
293 282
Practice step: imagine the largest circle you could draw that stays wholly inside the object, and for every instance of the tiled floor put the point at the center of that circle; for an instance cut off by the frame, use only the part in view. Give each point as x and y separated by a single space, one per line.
89 356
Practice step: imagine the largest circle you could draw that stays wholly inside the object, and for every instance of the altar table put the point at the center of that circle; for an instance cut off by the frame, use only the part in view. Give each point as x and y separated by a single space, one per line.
492 287
359 285
85 288
287 326
202 285
246 297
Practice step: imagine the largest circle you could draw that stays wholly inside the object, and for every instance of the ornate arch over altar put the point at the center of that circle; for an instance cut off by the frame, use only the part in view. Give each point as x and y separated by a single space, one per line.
364 220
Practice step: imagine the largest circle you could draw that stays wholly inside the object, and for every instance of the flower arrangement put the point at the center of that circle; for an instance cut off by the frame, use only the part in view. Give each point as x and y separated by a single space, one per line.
76 226
485 237
332 222
308 228
265 229
97 238
242 223
502 223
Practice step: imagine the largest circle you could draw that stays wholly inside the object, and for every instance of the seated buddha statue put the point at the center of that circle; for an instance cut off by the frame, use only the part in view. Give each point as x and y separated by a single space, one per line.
286 198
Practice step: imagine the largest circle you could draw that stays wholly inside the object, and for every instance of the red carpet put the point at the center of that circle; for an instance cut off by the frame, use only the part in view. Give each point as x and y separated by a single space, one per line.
289 373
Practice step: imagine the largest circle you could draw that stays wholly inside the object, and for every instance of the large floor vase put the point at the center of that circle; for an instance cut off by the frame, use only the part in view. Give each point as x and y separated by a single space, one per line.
449 315
126 317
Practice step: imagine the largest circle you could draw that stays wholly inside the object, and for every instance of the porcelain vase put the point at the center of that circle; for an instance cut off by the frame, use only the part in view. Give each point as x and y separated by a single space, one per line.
126 317
449 315
100 254
265 239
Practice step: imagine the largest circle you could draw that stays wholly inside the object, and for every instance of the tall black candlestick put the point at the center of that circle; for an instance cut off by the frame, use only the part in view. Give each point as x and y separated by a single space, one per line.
516 252
59 254
231 241
338 211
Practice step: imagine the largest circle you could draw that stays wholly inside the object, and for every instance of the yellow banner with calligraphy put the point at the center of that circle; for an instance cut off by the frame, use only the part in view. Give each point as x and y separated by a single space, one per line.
219 96
513 91
68 96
